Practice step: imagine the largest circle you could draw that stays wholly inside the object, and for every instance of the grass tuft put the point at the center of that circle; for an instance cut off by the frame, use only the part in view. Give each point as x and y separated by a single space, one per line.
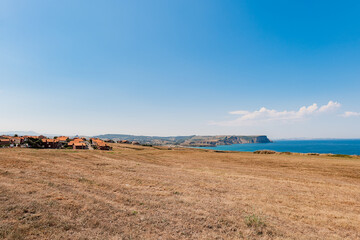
85 180
255 222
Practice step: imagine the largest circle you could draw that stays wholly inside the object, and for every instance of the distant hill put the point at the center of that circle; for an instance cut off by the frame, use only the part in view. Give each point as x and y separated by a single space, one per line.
20 133
154 140
28 133
195 141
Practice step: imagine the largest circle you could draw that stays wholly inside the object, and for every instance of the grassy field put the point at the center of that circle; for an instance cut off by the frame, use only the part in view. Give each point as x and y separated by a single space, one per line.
137 192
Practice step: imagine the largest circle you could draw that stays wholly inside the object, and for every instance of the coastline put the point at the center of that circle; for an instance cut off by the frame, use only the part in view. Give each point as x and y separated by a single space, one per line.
347 147
269 152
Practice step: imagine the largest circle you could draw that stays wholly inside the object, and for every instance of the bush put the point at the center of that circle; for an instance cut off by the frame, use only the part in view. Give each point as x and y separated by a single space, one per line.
264 152
286 153
35 143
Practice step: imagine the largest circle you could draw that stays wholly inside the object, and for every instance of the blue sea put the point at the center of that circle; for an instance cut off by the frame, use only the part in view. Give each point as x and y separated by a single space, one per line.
348 146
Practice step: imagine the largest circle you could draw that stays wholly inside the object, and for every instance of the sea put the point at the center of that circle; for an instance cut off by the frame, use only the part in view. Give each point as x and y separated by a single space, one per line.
338 146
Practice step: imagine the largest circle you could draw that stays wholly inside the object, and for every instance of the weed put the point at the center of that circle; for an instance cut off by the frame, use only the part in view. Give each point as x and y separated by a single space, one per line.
256 222
85 180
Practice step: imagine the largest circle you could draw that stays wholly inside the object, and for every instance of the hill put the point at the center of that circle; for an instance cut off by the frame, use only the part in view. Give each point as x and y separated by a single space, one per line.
20 133
195 141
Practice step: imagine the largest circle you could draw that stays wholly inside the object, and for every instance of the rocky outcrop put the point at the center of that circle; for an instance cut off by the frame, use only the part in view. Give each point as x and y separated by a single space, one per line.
209 141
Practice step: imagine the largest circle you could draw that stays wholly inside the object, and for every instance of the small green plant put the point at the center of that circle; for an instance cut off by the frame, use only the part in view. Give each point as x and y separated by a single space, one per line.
256 222
85 180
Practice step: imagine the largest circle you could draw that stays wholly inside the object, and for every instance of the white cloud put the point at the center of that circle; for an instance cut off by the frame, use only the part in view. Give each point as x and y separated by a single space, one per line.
264 114
350 114
239 112
330 106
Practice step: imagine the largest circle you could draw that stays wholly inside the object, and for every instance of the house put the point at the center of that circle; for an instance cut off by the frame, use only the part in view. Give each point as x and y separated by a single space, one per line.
103 146
100 144
71 143
93 140
79 139
4 142
79 145
62 139
16 140
51 143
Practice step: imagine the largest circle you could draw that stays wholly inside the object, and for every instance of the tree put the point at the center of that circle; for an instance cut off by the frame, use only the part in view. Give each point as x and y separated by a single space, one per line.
35 143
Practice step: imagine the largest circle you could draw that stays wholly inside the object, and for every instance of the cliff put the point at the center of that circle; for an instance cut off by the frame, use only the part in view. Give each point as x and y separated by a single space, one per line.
200 141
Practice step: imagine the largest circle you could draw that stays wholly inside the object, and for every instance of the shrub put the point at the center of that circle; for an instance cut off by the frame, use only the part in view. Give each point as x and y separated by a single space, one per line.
35 143
313 154
264 152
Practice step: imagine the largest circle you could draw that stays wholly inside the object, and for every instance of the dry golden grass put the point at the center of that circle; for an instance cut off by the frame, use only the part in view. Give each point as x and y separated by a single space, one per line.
139 192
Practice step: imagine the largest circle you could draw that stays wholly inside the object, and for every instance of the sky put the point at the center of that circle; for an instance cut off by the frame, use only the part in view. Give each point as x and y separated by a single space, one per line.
286 69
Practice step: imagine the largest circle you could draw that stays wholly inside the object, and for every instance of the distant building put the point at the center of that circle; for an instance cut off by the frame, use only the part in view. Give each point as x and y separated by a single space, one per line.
103 146
71 143
80 145
100 144
17 140
62 139
51 143
4 142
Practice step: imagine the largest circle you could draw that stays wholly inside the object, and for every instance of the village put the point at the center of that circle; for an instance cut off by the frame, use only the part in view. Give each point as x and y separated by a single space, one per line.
62 142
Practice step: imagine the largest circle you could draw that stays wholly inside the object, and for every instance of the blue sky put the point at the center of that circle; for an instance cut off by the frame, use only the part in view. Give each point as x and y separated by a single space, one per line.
181 67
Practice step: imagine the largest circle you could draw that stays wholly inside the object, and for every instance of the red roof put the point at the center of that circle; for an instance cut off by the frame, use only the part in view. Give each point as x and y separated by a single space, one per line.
62 138
79 144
